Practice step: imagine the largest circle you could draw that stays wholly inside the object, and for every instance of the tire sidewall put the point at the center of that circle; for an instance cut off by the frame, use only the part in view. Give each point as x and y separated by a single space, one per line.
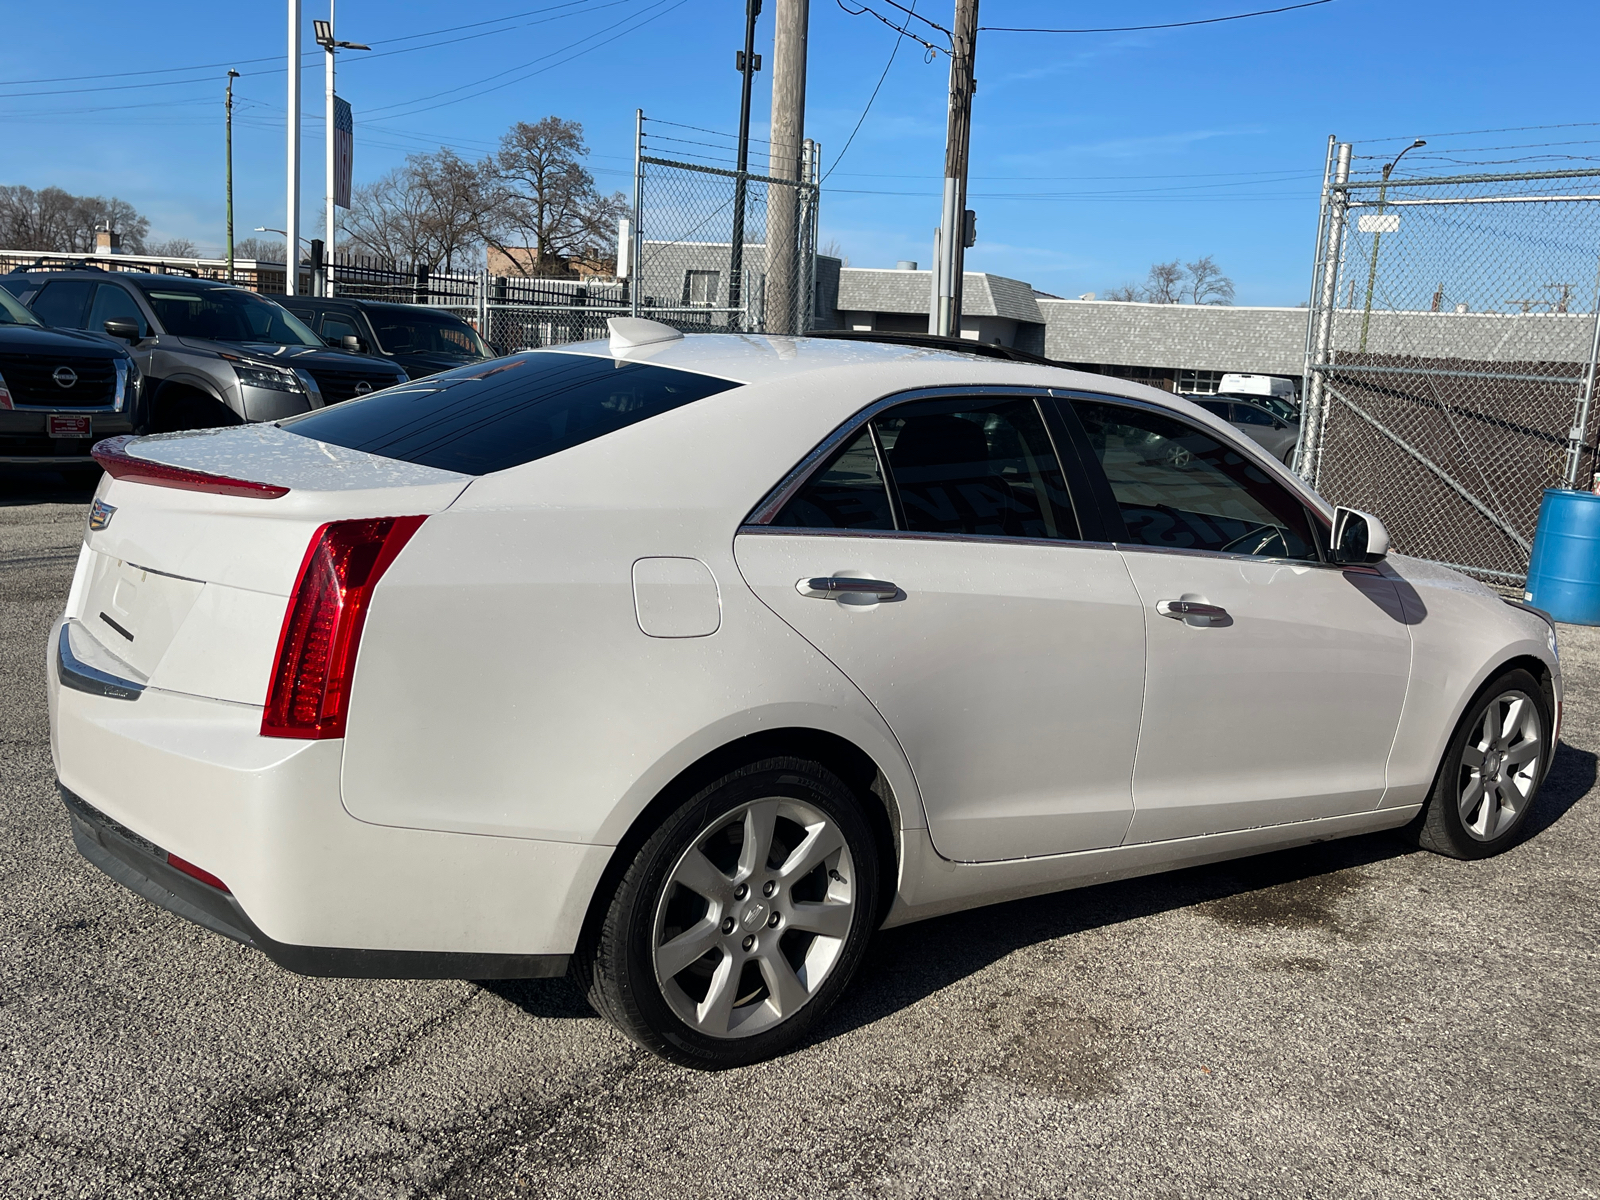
633 912
1443 828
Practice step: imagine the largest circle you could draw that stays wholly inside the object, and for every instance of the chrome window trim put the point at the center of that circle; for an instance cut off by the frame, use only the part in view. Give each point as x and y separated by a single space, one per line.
772 504
1141 548
920 536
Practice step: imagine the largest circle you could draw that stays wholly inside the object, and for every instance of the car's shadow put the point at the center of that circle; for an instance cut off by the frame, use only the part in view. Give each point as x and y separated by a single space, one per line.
37 485
908 964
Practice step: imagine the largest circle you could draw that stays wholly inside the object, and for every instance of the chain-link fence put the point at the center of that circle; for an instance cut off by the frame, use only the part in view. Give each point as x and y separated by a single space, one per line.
720 249
1450 356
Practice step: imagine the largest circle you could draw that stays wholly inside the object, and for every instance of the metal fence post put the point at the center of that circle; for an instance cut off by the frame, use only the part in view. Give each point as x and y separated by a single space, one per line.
1308 458
636 267
1580 425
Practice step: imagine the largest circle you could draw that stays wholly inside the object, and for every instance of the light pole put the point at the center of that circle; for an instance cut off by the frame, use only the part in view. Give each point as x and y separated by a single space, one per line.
1377 240
291 269
324 32
232 75
748 62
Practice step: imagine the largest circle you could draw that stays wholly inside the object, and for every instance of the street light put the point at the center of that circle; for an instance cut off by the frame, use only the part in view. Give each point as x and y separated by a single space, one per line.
325 39
1377 240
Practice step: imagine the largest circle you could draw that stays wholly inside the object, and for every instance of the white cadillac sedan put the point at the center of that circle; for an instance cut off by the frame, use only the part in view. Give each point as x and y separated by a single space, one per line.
686 663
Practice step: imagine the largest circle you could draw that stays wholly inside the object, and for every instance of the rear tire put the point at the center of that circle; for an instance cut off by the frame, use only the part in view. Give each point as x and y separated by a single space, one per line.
740 920
1492 769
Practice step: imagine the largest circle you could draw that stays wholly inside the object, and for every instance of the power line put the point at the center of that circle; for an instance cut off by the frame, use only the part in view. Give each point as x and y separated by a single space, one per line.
1265 12
893 50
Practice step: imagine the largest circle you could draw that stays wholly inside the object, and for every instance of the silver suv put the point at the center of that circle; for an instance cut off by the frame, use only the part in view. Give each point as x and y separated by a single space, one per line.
210 353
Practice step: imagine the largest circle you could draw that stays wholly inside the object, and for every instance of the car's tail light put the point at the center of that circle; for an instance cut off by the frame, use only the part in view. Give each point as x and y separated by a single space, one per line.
200 873
113 457
5 393
310 690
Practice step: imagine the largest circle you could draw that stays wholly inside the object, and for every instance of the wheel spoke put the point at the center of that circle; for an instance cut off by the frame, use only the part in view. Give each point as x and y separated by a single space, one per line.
1512 722
1470 796
716 1010
689 946
1523 752
826 920
1491 809
1491 727
1471 757
821 841
759 819
787 992
700 875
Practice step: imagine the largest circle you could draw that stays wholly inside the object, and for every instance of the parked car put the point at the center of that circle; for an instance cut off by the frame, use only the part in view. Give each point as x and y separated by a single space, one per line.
689 662
1276 435
60 391
419 340
211 353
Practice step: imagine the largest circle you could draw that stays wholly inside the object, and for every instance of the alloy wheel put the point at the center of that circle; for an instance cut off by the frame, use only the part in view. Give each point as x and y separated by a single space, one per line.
753 917
1500 766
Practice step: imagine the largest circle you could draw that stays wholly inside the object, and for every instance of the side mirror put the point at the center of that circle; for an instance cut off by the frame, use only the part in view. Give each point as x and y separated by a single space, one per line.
351 342
1358 537
122 327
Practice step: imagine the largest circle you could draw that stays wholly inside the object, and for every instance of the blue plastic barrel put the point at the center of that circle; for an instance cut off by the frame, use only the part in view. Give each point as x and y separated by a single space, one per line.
1564 574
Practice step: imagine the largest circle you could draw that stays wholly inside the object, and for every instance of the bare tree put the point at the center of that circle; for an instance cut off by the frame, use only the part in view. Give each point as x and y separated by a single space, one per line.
428 212
1164 284
543 211
55 220
178 247
832 248
1125 292
259 249
1207 283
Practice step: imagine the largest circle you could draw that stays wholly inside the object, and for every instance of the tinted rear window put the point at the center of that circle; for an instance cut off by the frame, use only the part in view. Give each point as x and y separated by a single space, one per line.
499 414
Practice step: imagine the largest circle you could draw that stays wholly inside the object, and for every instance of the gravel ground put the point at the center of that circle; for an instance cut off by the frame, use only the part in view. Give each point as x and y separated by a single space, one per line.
1346 1020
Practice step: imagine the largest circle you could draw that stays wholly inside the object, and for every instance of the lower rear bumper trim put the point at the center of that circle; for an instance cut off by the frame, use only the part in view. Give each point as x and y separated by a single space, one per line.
141 866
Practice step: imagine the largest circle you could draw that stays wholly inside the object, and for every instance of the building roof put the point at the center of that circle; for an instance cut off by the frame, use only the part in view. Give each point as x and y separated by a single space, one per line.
1204 337
873 289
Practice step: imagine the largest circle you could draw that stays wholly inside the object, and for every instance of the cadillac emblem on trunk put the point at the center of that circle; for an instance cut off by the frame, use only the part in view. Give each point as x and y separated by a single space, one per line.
100 514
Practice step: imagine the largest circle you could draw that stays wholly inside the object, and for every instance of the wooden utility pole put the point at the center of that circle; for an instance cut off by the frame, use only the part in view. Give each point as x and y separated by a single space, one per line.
788 134
956 230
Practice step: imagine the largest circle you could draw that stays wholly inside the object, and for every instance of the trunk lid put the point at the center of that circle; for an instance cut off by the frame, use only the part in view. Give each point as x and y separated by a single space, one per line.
189 587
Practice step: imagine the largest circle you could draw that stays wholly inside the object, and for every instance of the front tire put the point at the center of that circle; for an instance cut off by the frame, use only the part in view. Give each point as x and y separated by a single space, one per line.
1491 772
740 920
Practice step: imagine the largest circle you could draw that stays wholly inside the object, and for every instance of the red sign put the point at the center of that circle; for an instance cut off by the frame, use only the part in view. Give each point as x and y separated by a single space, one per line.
68 427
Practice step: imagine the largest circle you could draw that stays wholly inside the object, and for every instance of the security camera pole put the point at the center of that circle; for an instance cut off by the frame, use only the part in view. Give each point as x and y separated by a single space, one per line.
324 31
957 229
748 62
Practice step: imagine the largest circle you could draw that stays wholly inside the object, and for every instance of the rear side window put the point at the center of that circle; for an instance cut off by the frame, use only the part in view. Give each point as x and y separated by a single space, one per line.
500 414
62 303
976 467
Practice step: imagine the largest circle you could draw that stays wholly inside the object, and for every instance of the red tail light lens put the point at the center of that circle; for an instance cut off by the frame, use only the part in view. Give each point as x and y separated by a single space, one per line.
200 873
310 689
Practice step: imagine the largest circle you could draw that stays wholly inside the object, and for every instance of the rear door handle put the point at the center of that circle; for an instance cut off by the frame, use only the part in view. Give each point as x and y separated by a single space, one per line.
1180 609
827 586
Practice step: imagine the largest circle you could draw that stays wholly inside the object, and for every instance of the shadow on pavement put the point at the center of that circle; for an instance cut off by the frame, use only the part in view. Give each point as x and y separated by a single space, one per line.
1294 888
37 485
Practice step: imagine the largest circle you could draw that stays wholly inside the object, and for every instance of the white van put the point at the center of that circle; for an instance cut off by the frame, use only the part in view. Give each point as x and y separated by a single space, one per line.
1275 386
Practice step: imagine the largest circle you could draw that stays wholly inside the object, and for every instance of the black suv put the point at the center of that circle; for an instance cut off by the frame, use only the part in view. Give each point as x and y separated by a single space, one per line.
60 392
421 341
210 353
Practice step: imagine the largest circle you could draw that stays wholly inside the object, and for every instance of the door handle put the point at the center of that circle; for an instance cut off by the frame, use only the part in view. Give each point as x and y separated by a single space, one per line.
1179 610
828 586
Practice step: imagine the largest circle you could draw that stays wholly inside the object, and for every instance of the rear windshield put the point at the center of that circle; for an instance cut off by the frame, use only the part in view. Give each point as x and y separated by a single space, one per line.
427 333
499 414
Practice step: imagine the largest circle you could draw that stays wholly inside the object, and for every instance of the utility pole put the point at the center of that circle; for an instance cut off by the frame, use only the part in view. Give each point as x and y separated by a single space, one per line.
325 39
788 132
232 75
748 62
956 226
291 268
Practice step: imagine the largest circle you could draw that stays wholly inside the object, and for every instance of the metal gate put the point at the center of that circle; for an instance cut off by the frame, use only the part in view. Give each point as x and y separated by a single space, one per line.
723 249
1450 355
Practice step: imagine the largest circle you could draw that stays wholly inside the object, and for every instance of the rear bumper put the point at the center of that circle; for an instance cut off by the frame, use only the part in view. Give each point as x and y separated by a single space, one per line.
141 866
309 885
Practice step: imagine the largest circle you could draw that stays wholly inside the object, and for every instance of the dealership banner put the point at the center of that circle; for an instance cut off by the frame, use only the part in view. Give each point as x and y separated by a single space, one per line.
344 138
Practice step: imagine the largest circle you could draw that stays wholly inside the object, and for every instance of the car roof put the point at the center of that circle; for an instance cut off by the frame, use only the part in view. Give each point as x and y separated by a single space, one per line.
353 303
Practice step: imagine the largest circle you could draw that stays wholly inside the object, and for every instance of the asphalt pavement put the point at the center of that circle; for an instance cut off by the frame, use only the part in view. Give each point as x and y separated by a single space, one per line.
1347 1020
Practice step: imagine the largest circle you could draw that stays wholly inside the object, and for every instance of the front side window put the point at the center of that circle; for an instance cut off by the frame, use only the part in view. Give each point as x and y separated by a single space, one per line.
335 329
975 467
500 414
112 303
1249 414
1180 488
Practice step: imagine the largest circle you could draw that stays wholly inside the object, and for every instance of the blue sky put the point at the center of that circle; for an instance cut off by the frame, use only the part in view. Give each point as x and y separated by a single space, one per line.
1092 155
